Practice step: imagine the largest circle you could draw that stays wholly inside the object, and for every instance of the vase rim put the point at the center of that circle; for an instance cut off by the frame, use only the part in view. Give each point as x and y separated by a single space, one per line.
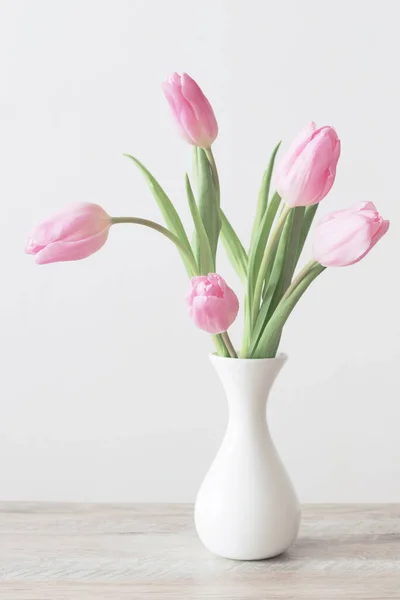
281 357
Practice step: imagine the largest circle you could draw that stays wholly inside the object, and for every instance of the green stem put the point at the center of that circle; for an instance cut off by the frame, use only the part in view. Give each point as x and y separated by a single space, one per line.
223 338
265 263
208 197
228 344
220 345
211 160
171 236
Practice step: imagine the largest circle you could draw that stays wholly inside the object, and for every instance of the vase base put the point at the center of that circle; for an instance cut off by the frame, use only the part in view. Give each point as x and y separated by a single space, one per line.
242 558
249 554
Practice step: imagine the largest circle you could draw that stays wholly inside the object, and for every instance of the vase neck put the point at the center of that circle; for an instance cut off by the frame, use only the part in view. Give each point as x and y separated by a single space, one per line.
247 384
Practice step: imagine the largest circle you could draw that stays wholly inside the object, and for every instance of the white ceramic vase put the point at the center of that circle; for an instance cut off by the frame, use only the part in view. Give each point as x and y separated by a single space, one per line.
246 508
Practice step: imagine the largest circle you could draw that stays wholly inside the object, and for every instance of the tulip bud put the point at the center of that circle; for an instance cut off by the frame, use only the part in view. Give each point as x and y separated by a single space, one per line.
192 111
74 233
211 303
346 236
306 173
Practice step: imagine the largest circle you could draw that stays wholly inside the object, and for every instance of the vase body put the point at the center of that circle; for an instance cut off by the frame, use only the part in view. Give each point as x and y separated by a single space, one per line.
247 508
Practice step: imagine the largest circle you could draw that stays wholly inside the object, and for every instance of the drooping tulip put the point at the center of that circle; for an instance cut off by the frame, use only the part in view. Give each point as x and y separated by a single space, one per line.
344 237
192 111
306 173
211 303
71 234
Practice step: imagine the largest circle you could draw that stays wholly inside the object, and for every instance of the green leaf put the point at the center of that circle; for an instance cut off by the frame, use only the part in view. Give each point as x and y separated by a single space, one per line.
205 258
234 248
260 242
307 222
257 248
208 200
263 195
168 210
290 258
255 258
265 215
269 340
272 281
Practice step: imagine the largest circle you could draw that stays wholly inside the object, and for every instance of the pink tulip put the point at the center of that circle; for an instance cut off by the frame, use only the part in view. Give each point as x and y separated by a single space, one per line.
211 303
192 111
346 236
306 173
71 234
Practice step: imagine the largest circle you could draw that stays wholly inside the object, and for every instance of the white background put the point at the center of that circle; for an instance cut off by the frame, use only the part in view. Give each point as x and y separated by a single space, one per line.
106 389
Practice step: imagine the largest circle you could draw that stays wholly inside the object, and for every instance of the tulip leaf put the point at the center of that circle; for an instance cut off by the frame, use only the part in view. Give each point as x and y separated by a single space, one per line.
205 259
267 345
255 258
208 199
234 248
168 210
264 230
290 258
272 281
263 195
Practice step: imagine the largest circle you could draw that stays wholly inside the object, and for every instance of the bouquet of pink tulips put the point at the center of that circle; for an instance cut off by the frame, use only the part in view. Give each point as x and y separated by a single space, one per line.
303 177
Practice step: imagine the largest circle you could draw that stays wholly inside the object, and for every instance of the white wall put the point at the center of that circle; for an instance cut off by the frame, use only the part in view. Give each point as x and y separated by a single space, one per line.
106 390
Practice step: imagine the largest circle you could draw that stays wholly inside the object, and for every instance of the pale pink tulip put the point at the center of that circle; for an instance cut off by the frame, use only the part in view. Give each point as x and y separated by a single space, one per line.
211 303
306 173
346 236
192 111
71 234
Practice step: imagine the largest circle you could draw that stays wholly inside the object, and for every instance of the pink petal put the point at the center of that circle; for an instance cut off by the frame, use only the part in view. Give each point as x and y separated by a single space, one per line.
72 223
343 241
308 170
295 149
192 112
76 250
209 314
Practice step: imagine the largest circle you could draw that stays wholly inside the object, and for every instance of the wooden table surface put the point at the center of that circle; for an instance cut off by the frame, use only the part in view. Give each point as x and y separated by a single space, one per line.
121 552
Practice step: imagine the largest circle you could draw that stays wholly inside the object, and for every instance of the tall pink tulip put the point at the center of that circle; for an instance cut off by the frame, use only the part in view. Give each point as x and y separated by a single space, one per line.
191 109
211 303
306 173
346 236
71 234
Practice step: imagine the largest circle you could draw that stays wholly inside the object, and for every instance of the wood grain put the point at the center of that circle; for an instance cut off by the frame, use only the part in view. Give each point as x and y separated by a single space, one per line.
89 551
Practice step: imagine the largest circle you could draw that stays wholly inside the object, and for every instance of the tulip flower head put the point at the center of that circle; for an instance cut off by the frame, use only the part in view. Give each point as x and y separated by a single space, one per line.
306 173
211 303
346 236
71 234
192 111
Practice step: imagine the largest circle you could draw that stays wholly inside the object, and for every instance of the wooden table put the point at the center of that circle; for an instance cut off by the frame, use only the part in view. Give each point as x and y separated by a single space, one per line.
129 552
